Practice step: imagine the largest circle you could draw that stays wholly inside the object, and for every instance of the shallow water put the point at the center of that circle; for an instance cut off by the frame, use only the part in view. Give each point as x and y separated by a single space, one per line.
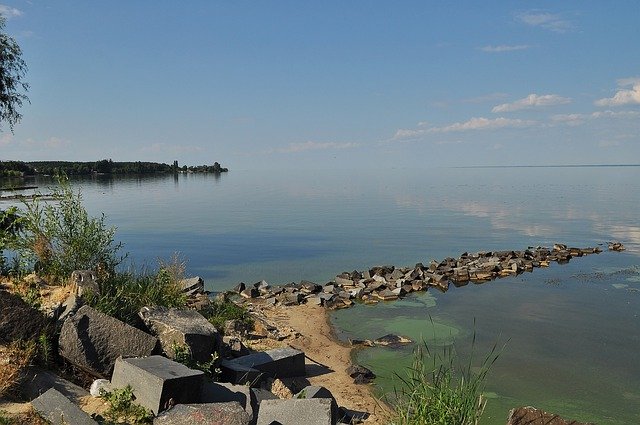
571 329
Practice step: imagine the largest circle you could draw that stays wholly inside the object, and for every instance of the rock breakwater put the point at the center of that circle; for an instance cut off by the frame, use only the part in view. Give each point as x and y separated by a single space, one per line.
386 283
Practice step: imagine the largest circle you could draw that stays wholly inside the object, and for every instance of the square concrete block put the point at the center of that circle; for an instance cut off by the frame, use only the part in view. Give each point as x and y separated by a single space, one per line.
59 410
158 382
313 411
276 363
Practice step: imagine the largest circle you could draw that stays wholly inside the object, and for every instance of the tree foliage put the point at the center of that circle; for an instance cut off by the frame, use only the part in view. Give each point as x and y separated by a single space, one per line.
12 71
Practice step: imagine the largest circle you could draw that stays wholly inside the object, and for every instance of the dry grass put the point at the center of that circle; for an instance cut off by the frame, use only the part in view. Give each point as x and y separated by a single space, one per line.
14 358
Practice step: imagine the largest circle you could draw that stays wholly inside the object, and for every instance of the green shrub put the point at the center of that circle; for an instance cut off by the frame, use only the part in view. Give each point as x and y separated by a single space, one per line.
123 294
441 392
122 407
224 309
60 237
10 225
182 354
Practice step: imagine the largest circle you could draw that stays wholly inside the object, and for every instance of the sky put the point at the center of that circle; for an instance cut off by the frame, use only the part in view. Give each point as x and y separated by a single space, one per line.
328 84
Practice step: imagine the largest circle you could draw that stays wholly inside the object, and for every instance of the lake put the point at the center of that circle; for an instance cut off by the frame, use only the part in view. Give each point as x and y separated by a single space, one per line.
571 330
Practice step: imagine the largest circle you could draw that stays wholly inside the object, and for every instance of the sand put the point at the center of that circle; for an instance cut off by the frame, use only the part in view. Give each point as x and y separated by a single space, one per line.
327 358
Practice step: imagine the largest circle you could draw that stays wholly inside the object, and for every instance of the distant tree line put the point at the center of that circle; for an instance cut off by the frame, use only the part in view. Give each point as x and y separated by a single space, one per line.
104 166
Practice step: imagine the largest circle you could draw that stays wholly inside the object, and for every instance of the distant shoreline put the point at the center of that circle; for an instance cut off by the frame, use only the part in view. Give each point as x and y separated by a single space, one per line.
549 166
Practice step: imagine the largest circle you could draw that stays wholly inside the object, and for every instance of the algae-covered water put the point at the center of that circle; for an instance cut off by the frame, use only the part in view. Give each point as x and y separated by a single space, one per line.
571 331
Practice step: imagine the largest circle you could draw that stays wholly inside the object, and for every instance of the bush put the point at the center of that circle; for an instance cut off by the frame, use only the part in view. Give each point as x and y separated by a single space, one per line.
435 392
10 225
123 294
122 407
58 238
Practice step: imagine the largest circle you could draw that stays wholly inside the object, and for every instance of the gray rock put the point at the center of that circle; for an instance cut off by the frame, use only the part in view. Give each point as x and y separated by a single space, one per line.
315 411
157 382
174 326
276 363
59 410
532 416
220 392
192 285
37 381
313 391
69 307
360 374
391 340
93 341
229 413
18 320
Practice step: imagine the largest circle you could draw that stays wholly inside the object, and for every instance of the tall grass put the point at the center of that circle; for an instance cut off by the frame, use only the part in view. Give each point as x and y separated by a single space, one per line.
123 294
438 390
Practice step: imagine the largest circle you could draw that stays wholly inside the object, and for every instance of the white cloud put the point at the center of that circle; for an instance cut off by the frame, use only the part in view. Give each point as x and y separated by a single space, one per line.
50 143
550 21
310 145
475 123
532 101
504 48
624 96
482 124
579 119
9 12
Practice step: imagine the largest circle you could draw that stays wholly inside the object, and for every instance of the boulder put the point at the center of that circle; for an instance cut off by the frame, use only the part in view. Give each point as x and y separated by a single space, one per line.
229 413
19 321
180 327
59 410
391 340
192 286
360 374
532 416
315 411
276 363
93 341
157 382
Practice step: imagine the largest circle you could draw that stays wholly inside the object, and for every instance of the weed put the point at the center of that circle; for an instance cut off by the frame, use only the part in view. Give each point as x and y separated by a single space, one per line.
123 294
122 407
14 359
441 393
224 309
182 354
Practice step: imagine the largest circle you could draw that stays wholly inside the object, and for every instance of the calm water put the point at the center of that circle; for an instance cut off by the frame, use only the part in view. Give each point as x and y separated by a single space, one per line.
571 330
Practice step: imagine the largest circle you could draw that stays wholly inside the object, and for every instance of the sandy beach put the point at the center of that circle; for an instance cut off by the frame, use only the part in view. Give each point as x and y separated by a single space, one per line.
327 358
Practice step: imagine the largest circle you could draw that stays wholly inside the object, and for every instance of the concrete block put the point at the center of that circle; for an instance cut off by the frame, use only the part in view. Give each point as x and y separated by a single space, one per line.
158 382
230 413
175 326
313 391
37 381
276 363
59 410
315 411
220 392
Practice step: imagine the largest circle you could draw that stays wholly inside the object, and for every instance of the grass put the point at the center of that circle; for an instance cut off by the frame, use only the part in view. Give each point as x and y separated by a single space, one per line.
224 309
124 293
122 408
14 359
437 390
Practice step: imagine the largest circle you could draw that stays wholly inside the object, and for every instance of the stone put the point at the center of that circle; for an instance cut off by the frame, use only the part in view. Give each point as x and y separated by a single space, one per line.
360 374
99 386
341 281
221 392
229 413
59 410
616 246
313 391
84 281
532 416
387 295
180 327
192 285
18 320
233 346
157 382
276 363
93 341
69 307
315 411
239 287
391 340
250 293
37 381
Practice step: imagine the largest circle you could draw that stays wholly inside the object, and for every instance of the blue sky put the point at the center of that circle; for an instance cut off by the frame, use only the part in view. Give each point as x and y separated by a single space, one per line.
386 84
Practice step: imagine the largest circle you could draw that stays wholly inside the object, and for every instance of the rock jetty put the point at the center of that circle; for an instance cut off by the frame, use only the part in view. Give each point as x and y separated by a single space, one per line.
387 283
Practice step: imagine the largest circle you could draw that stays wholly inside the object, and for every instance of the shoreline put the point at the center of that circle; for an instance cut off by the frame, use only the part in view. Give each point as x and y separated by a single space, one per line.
327 358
